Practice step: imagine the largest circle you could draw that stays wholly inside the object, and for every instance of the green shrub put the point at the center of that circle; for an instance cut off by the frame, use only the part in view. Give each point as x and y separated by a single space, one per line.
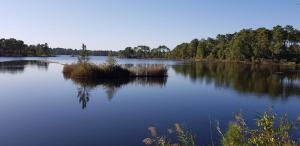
266 132
269 131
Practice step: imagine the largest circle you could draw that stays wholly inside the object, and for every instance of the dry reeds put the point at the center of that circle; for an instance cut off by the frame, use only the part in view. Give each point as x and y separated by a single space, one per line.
93 71
149 71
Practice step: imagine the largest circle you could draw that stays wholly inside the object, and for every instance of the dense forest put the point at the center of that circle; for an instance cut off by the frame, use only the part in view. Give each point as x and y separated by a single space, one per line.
17 48
261 44
144 52
279 43
63 51
13 47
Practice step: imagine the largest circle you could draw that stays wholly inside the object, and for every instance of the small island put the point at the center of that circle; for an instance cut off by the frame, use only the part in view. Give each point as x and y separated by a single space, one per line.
83 69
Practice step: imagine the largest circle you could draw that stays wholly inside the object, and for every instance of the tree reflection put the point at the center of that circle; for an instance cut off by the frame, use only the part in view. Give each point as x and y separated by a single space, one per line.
272 80
18 66
83 95
110 86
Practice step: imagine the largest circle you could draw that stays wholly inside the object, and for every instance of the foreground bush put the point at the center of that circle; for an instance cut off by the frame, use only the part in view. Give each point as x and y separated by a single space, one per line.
269 131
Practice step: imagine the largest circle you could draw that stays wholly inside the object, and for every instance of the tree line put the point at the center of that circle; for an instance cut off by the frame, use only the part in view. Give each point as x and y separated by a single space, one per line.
64 51
278 43
247 44
17 48
13 47
261 44
144 52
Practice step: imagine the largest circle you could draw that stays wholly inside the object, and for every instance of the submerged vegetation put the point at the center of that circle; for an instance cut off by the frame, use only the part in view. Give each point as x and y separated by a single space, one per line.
268 130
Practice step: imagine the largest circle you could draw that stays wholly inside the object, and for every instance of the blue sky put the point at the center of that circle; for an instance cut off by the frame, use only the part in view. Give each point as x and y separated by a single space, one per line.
115 24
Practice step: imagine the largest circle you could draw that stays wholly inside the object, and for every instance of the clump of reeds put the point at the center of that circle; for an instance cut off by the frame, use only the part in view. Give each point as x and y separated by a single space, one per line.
81 70
149 71
93 71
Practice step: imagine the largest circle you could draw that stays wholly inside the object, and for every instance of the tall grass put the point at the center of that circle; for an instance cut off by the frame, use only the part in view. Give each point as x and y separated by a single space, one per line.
183 137
150 71
93 71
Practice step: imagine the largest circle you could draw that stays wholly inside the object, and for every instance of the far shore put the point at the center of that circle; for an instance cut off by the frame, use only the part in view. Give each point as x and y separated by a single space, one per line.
261 61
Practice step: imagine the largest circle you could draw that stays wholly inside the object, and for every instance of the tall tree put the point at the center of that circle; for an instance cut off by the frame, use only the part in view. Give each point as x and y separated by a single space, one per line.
192 48
202 51
83 55
262 43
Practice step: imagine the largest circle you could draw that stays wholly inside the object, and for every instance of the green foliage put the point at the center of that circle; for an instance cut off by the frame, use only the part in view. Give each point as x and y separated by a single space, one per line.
234 136
267 132
192 48
248 44
83 55
262 43
13 47
202 50
144 52
240 46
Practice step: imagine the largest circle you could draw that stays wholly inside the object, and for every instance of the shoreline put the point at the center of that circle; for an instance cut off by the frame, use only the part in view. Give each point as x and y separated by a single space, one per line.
258 62
29 56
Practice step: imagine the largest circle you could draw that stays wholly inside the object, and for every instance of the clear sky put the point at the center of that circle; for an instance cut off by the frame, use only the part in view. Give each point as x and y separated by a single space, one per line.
115 24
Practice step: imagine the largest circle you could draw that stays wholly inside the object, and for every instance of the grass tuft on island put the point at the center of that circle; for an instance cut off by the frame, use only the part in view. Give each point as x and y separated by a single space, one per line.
94 71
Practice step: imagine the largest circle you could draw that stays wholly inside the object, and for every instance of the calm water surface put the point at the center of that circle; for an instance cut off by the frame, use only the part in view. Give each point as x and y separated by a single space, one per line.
39 107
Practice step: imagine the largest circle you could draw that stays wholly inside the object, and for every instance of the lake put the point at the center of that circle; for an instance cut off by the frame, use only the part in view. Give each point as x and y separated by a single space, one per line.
38 106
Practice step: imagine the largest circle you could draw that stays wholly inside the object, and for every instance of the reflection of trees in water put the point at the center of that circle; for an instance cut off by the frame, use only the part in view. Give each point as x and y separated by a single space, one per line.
272 80
111 86
19 66
83 95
